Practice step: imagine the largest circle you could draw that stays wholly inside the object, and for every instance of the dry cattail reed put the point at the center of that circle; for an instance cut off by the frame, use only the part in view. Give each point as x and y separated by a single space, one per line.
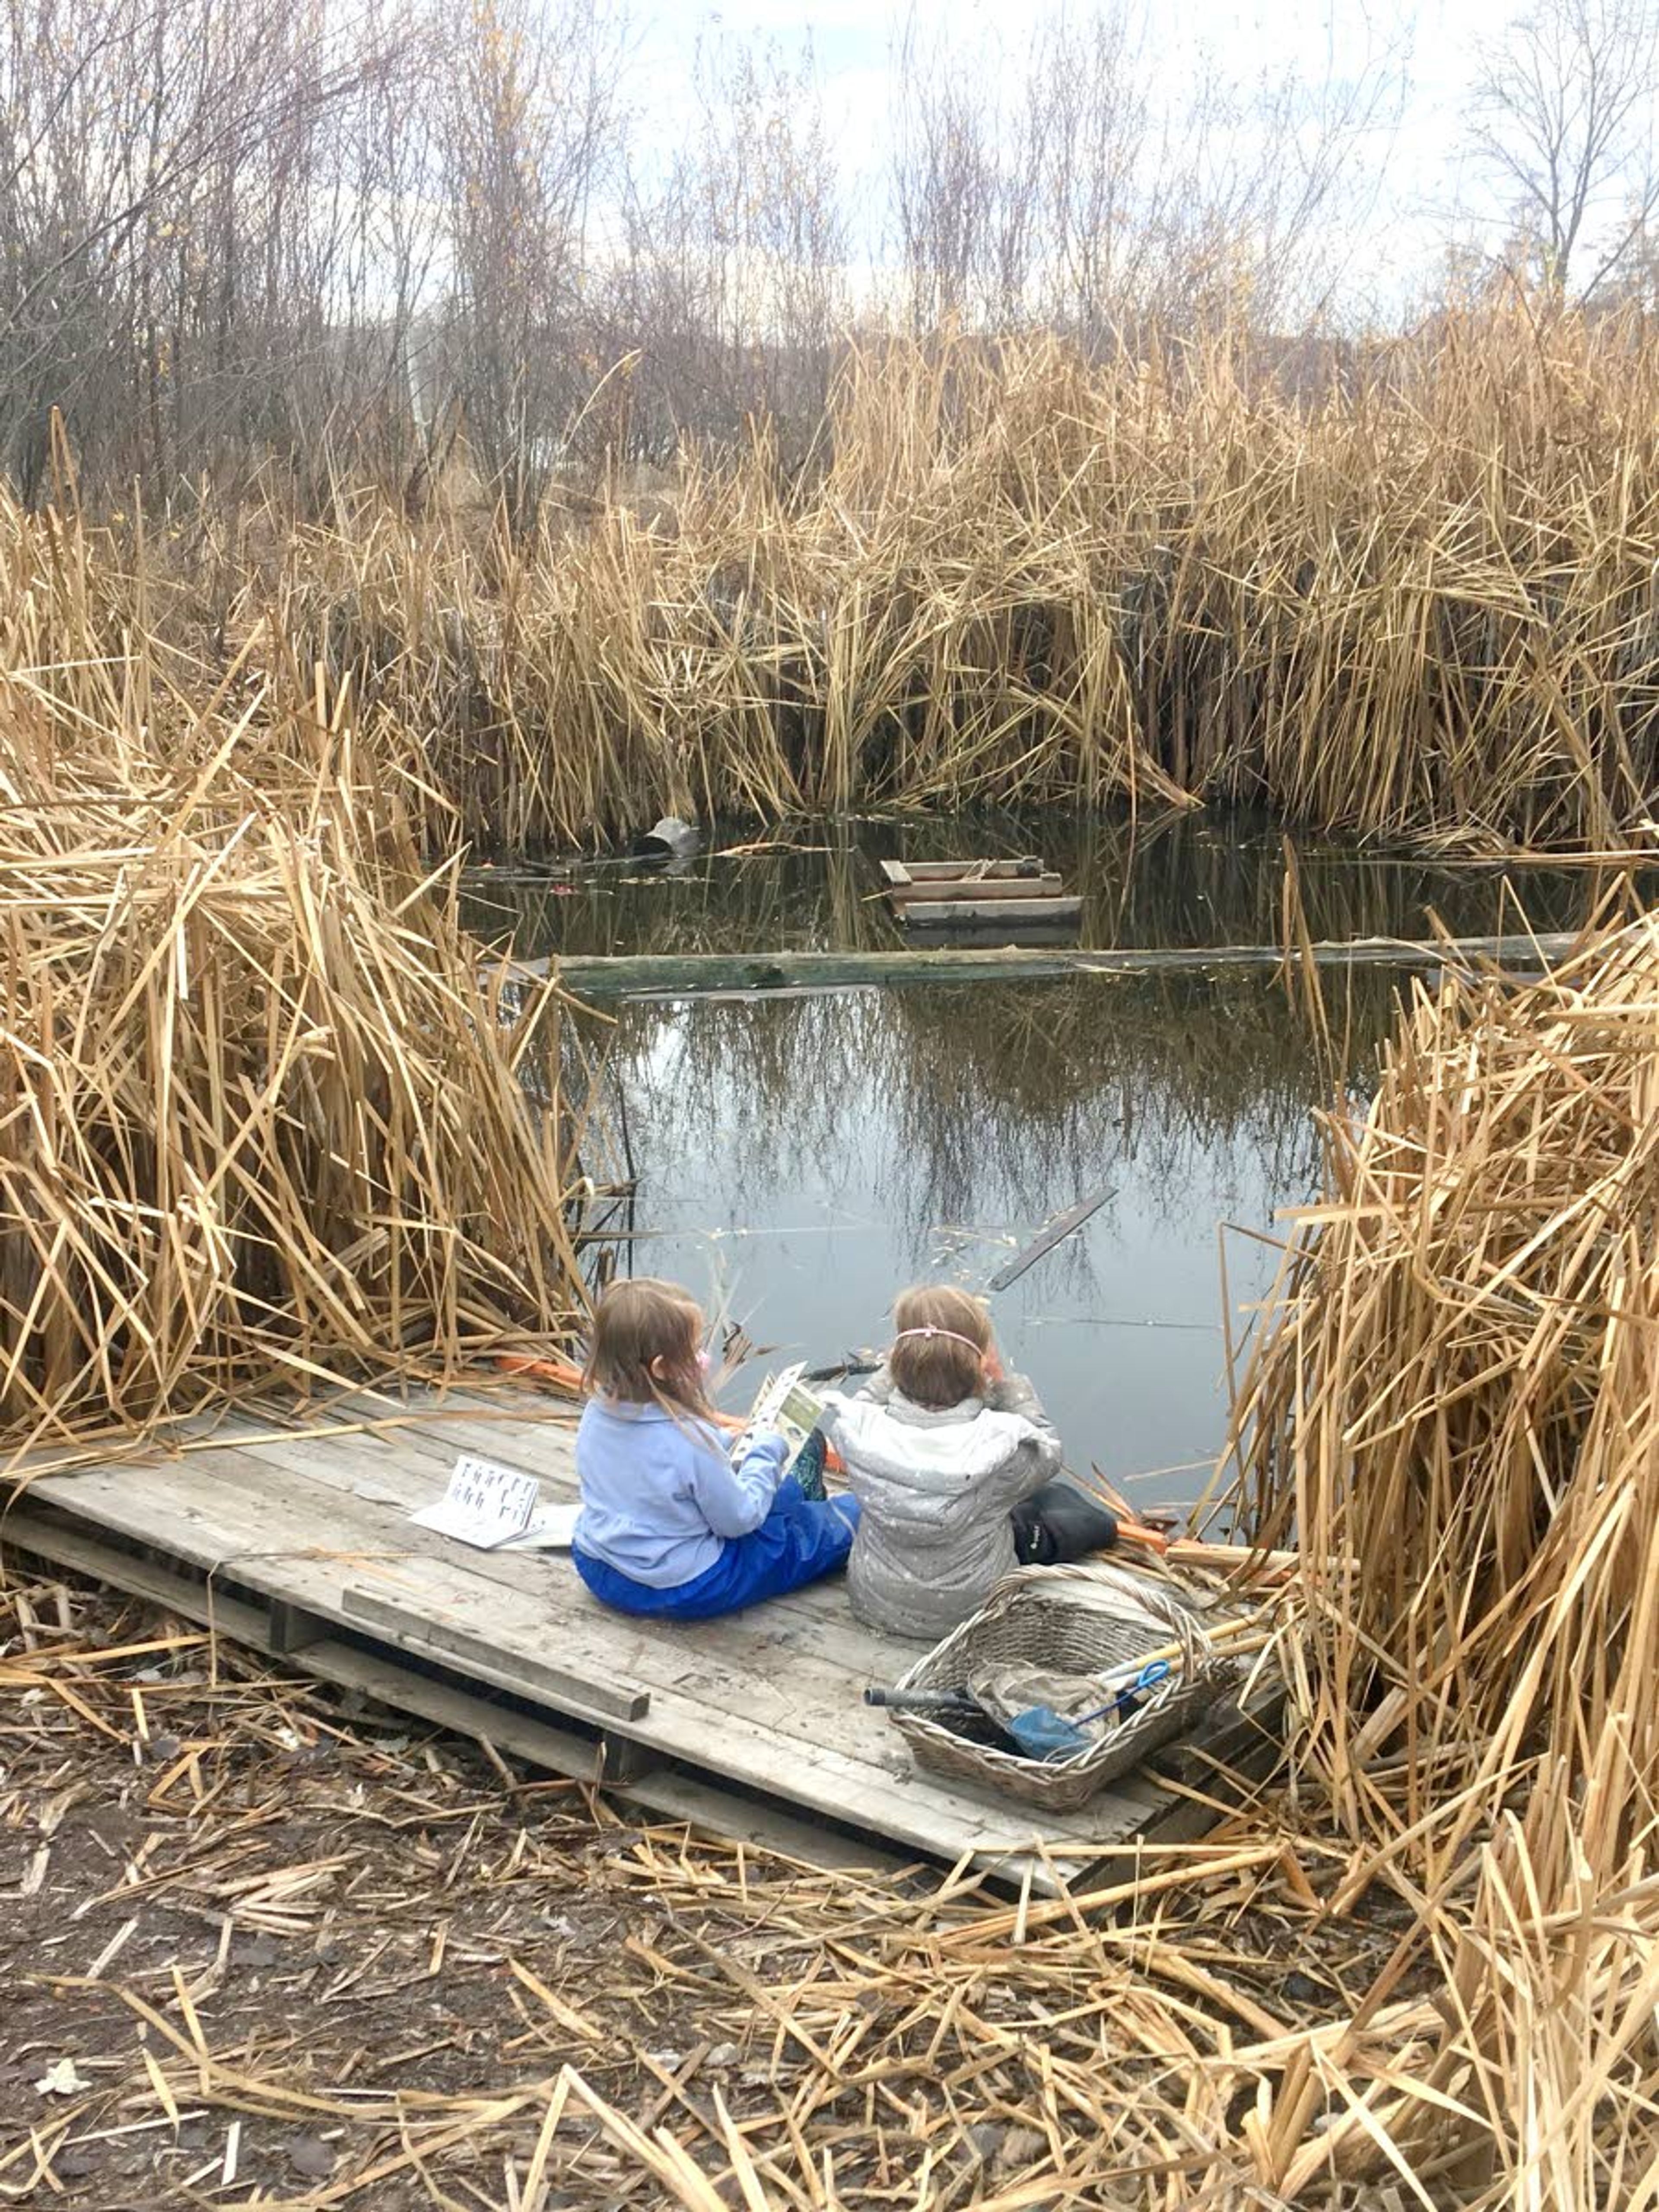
264 1124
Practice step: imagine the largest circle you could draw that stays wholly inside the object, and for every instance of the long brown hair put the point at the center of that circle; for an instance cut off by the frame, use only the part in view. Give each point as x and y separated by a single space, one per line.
640 1321
942 1369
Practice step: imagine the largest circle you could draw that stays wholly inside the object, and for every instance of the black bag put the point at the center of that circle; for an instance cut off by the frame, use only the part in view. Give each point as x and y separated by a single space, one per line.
1058 1524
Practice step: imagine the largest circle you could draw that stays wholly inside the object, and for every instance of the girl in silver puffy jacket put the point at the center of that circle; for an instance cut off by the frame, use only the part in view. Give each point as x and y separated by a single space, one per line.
955 1468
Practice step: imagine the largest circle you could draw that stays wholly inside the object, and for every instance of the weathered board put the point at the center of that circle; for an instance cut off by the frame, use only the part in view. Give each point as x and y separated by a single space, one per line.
999 913
899 873
684 975
297 1538
1010 891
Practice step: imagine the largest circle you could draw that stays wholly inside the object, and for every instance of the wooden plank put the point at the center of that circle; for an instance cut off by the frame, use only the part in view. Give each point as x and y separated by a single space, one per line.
751 1700
682 974
663 1788
410 1466
1003 914
1008 892
517 1420
571 1693
1056 1233
939 872
1247 1739
290 1629
623 1759
895 872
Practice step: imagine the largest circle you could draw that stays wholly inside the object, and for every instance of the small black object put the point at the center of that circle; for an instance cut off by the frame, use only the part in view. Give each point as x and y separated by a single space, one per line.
671 839
851 1363
1060 1522
923 1701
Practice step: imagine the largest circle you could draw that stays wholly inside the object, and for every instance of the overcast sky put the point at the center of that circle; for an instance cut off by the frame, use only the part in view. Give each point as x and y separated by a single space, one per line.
1432 49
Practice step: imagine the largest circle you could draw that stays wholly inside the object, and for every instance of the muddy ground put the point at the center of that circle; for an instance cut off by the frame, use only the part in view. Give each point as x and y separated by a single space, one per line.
262 1943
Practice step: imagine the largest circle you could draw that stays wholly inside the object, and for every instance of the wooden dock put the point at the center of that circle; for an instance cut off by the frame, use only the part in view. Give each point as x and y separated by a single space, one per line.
295 1538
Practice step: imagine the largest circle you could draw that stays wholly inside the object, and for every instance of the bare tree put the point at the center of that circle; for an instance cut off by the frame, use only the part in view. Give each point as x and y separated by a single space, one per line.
733 291
962 195
1068 184
1563 120
175 216
532 127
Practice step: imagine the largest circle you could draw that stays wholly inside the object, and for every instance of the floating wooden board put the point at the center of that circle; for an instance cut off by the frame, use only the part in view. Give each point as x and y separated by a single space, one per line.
684 975
305 1532
900 873
1055 1232
1002 913
1008 891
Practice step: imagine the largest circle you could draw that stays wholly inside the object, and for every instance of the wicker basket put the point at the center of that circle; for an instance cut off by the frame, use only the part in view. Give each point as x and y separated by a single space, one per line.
1083 1620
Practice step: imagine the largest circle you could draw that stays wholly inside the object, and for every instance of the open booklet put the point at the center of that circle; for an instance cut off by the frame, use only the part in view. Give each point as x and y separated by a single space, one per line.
498 1508
783 1403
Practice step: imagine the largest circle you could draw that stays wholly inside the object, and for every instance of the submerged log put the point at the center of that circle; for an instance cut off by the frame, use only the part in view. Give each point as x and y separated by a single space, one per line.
682 974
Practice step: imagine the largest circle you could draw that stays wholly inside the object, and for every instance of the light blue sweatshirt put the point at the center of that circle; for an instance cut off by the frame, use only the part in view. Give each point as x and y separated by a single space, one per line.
660 1496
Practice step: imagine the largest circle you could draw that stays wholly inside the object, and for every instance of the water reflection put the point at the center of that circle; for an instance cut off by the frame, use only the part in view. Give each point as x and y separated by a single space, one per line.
1178 880
804 1156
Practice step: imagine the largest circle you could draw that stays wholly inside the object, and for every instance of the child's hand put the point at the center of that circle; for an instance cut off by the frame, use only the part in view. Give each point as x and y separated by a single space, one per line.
752 1439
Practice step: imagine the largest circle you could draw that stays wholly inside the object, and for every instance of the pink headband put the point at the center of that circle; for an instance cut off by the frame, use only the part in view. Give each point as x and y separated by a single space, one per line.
948 1334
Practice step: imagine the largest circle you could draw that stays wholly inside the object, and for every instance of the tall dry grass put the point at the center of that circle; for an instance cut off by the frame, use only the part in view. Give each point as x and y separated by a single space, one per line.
262 1127
1454 1406
1421 605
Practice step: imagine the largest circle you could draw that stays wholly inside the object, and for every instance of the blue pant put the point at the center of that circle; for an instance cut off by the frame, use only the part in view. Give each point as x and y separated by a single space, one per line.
799 1539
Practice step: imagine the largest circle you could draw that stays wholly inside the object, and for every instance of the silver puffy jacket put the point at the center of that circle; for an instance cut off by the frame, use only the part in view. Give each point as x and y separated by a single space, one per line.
935 1490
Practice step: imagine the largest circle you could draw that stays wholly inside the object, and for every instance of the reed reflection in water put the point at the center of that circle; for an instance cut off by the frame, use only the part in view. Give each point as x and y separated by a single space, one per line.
807 1156
804 1157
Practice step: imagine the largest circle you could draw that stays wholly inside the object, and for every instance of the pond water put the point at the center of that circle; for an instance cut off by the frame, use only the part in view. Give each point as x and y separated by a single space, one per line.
801 1158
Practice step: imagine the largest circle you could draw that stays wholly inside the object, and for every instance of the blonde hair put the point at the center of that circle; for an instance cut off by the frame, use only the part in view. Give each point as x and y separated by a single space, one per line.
637 1322
942 1368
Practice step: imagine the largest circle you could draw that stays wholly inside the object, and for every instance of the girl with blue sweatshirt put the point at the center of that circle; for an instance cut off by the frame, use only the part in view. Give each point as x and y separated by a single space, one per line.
671 1524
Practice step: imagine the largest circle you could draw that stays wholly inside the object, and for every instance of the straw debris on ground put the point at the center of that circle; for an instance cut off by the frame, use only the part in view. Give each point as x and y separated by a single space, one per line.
262 1945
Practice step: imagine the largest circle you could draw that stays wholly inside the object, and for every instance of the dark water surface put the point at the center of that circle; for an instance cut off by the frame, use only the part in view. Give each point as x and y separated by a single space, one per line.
799 1159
